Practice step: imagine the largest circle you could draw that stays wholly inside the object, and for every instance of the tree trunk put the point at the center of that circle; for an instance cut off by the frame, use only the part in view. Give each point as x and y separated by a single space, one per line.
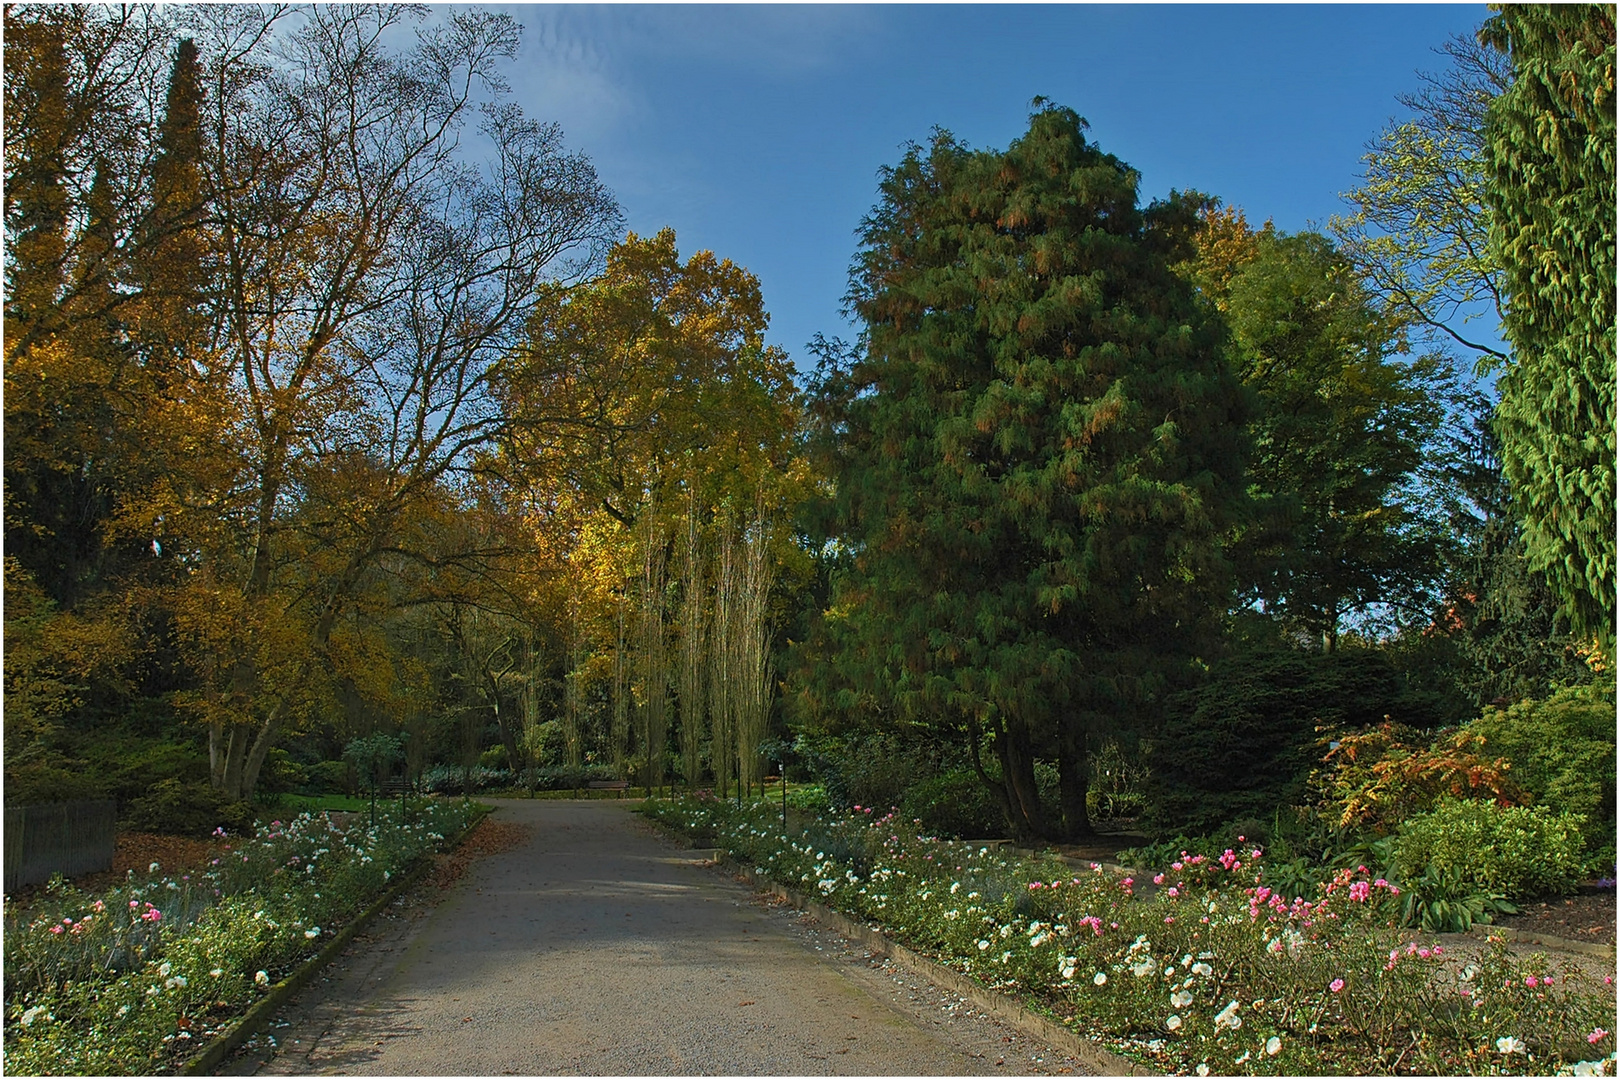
997 788
1018 774
1074 775
504 721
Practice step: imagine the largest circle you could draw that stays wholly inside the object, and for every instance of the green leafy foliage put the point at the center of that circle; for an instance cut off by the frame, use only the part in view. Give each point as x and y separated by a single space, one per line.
873 769
1550 172
1417 233
1340 428
1441 901
1518 851
1504 624
953 804
187 808
373 756
1562 750
36 783
329 776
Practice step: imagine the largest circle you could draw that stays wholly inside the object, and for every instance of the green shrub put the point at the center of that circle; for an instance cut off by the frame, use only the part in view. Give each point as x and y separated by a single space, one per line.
35 783
871 770
1243 742
329 778
811 797
954 804
184 808
281 773
132 764
1562 751
1517 851
494 757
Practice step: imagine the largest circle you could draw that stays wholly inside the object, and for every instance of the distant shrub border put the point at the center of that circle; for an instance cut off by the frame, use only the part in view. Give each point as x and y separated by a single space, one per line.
1213 975
137 978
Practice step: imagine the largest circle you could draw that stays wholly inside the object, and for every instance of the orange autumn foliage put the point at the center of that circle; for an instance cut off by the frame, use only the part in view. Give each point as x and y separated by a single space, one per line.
1377 778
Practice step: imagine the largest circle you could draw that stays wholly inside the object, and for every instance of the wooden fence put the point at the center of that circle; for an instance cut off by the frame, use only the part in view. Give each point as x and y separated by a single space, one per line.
60 838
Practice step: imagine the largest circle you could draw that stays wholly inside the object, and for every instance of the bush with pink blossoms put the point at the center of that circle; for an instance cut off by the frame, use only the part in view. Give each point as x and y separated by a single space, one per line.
1202 965
133 980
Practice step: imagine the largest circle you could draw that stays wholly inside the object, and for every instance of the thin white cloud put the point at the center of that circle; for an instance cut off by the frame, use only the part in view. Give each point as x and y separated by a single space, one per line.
583 64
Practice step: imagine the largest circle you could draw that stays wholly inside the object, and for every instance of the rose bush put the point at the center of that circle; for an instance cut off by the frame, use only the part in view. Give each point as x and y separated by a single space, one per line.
134 979
1200 967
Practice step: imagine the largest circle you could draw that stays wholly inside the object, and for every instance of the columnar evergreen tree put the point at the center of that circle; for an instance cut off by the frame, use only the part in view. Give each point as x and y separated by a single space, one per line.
1550 168
1039 451
170 257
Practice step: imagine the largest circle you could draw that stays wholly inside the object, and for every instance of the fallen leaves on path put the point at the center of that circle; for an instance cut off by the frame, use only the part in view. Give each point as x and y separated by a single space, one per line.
490 837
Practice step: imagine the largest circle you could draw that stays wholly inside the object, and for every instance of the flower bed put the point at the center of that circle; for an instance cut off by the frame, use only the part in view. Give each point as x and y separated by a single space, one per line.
1212 974
137 978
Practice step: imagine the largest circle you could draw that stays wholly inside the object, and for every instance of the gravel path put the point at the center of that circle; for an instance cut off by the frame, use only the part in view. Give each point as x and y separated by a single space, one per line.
595 947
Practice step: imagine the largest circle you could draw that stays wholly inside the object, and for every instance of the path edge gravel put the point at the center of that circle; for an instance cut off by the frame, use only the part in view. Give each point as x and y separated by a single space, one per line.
260 1013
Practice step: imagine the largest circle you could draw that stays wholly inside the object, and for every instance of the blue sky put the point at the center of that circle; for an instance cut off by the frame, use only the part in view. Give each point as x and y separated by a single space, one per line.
757 131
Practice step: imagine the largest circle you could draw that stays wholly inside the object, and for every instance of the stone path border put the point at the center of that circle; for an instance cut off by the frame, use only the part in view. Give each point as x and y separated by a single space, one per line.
266 1007
1552 941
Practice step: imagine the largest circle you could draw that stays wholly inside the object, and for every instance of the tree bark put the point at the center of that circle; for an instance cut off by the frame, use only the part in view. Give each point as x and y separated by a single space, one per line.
1074 776
997 788
1018 775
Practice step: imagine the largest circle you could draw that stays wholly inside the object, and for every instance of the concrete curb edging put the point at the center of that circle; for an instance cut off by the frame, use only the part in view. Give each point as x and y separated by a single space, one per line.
250 1022
1552 941
1001 1006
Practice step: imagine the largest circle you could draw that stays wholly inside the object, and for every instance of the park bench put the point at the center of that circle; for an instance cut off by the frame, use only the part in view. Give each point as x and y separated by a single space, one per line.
394 787
621 786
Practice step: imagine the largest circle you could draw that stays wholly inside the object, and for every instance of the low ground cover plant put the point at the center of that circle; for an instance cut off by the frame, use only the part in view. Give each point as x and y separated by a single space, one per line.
1201 968
134 979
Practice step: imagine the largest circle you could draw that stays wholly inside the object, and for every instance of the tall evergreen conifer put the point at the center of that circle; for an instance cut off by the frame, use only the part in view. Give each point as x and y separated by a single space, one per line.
1039 450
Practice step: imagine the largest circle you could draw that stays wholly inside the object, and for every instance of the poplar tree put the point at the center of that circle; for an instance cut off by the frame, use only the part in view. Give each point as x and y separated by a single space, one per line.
1550 170
1038 452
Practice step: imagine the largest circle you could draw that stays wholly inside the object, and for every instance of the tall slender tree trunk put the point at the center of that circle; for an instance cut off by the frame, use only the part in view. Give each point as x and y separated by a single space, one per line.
722 740
751 660
652 706
693 633
573 740
619 729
